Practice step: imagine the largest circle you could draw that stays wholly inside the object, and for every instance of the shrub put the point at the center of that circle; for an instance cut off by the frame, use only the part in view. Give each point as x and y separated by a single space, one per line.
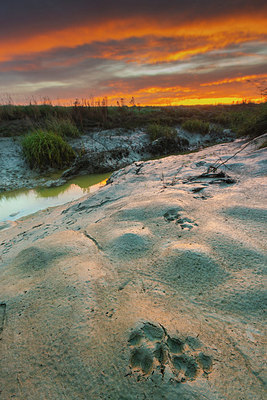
196 126
62 127
45 149
216 129
254 125
156 131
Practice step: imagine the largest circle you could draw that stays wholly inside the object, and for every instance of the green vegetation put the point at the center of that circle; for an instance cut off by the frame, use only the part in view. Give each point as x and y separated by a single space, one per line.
156 131
253 124
243 119
196 126
46 127
46 149
19 120
62 127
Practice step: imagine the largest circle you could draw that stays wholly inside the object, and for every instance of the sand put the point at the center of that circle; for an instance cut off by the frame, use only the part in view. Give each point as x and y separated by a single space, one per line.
150 288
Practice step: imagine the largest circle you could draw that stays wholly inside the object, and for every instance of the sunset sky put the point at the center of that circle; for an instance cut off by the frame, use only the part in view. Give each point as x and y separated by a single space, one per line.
168 52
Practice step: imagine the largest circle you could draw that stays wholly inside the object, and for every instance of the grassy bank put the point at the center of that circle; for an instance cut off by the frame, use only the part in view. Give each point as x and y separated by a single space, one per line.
45 128
243 119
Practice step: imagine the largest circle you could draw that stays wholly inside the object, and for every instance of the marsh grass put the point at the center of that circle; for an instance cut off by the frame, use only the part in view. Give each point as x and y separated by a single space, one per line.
62 127
45 149
157 131
196 126
253 124
242 119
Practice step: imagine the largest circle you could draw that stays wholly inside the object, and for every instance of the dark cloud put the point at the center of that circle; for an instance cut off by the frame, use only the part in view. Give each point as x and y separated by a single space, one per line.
28 17
129 49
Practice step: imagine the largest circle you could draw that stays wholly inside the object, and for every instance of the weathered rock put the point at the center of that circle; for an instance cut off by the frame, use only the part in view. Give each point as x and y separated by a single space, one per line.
140 290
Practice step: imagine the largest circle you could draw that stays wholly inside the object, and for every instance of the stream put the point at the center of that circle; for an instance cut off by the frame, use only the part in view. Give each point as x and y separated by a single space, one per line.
19 203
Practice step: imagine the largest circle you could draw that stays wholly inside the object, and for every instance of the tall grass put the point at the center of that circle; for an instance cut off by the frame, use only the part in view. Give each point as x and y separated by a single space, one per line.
156 131
241 118
62 127
45 149
253 124
196 126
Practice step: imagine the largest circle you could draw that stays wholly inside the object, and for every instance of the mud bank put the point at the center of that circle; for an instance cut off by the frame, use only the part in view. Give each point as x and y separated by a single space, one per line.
97 152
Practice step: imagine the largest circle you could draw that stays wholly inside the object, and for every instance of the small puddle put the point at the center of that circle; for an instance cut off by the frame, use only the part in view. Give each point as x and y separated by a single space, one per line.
22 202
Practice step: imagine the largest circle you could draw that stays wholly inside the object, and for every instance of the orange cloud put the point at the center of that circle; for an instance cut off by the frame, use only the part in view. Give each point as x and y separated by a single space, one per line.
237 79
154 90
220 30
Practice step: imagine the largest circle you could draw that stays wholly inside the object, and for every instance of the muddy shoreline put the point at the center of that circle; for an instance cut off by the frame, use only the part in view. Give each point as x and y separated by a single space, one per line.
98 152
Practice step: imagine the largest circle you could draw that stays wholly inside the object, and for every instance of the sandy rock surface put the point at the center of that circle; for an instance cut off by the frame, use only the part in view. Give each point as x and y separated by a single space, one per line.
151 288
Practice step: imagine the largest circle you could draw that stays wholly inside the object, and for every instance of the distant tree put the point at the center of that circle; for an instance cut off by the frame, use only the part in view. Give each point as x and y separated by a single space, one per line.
132 102
47 101
264 93
105 102
76 102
